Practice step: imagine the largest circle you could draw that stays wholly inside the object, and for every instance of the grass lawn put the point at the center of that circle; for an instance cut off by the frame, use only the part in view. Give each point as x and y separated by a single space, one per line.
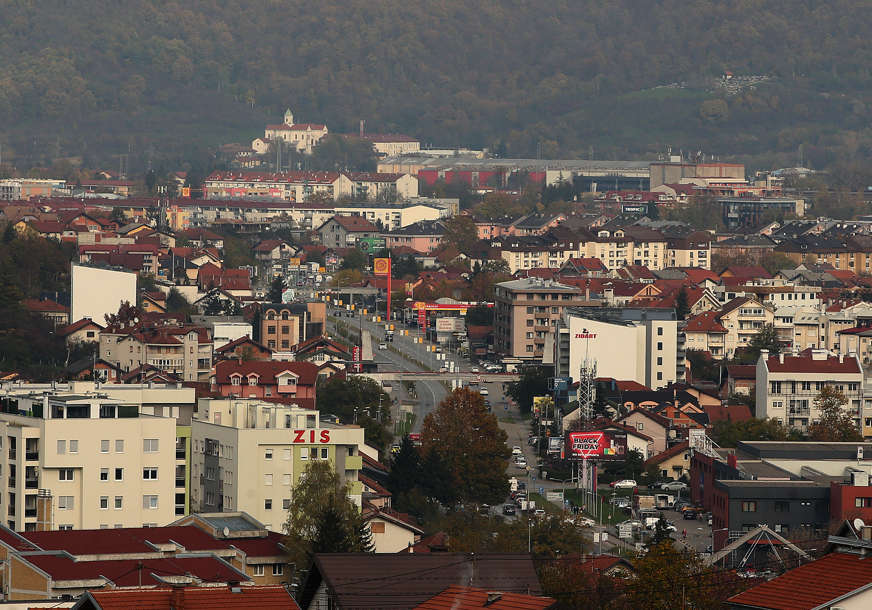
611 515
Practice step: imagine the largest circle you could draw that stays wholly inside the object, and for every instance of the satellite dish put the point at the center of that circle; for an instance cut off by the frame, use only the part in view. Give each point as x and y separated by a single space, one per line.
859 524
227 531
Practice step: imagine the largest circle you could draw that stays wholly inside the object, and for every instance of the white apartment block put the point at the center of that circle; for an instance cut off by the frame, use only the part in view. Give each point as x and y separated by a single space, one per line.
787 385
248 455
71 461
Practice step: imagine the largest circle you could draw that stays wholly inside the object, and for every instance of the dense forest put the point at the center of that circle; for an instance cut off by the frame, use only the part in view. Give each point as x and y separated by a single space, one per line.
169 80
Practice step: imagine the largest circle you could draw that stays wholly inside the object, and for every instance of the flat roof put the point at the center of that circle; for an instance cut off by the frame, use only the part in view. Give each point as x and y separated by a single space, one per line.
802 450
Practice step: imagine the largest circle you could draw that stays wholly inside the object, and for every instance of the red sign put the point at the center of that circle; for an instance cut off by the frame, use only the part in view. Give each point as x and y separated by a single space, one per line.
355 355
585 335
414 436
593 445
311 436
422 318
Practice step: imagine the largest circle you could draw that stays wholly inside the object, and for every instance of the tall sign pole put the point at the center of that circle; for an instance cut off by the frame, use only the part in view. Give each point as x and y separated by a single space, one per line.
382 266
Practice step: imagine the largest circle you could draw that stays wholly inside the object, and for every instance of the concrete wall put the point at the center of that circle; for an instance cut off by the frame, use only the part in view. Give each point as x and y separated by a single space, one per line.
97 292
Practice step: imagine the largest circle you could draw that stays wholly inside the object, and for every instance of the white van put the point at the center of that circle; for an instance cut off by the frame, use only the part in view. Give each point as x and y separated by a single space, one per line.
483 392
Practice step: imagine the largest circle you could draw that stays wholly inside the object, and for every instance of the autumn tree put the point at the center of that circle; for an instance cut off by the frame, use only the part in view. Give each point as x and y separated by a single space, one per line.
126 314
354 259
461 232
469 441
322 519
836 423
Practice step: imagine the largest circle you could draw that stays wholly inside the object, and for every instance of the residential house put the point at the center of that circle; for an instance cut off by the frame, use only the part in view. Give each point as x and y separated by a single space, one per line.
244 348
274 597
652 425
276 381
57 314
787 385
83 331
181 349
424 236
346 231
387 187
674 463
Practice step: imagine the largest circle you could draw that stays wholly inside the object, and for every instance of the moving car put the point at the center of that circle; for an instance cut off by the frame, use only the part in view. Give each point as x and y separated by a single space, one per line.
521 462
623 484
382 345
473 370
539 513
508 509
585 522
517 450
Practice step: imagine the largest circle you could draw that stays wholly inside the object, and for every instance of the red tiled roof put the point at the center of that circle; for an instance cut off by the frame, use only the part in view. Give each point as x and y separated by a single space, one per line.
601 563
434 543
804 363
263 597
269 546
457 597
809 586
665 455
44 306
603 422
266 370
742 371
127 572
280 177
268 245
236 342
698 275
625 385
71 328
297 127
706 322
747 272
732 412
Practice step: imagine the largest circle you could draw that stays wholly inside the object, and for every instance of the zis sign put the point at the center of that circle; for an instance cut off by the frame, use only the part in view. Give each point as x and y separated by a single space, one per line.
311 436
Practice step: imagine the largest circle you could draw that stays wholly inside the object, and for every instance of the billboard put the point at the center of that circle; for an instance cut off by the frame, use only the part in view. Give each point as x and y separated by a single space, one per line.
597 445
555 444
449 325
371 244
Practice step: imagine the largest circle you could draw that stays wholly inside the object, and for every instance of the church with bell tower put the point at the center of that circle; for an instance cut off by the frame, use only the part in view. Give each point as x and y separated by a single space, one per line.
302 136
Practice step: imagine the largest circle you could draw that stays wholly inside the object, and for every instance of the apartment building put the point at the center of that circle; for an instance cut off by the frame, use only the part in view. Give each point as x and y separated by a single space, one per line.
249 455
644 345
283 325
286 186
693 250
853 253
183 350
75 461
526 313
787 385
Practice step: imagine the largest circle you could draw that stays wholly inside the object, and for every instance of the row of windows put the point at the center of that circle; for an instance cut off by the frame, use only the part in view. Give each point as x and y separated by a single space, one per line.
149 501
149 445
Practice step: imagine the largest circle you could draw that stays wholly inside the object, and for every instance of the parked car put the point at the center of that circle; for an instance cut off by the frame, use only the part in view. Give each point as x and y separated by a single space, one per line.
689 514
382 345
623 484
585 522
620 501
474 369
539 513
516 450
521 462
483 392
674 486
508 509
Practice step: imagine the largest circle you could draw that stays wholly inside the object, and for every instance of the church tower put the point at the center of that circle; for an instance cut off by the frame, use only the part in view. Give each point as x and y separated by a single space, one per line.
289 117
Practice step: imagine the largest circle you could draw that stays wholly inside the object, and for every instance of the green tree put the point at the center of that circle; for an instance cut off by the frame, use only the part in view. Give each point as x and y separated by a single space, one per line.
358 400
321 517
437 481
176 302
404 266
461 232
727 433
276 288
354 259
533 382
343 153
405 468
766 338
481 315
470 442
681 306
836 423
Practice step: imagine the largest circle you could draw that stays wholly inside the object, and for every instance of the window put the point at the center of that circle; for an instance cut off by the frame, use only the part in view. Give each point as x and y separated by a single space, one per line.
659 331
278 569
659 360
119 446
323 453
65 527
640 426
62 447
104 446
258 570
74 446
119 502
65 474
267 455
236 380
149 474
267 479
863 502
659 376
775 387
119 474
304 453
104 474
782 507
149 445
659 345
286 503
267 504
65 502
749 507
104 502
149 501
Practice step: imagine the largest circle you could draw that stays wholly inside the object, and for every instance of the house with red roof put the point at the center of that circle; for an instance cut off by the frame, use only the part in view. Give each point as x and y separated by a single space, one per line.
587 267
274 381
392 531
83 331
269 250
184 350
608 565
731 327
674 463
321 350
381 186
346 231
244 348
57 314
787 385
704 332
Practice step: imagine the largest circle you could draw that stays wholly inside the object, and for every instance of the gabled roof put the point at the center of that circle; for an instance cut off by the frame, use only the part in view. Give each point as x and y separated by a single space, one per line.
457 597
669 453
705 322
71 328
814 585
601 564
245 339
44 306
804 362
603 423
746 272
263 597
268 245
354 224
266 370
742 371
655 417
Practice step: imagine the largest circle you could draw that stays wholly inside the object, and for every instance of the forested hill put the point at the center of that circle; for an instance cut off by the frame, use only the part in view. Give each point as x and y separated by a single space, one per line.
562 77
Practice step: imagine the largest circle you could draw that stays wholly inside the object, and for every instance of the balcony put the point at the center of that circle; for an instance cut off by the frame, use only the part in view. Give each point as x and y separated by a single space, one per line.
31 456
30 512
798 412
31 483
353 462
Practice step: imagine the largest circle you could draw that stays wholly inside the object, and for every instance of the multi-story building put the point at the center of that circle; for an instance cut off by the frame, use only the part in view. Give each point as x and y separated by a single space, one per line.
853 253
249 455
302 136
424 236
273 380
85 461
644 345
787 385
283 325
377 186
183 350
692 250
526 314
287 186
749 211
